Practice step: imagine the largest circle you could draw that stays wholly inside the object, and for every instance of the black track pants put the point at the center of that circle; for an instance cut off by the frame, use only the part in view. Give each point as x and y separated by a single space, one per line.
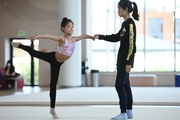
123 89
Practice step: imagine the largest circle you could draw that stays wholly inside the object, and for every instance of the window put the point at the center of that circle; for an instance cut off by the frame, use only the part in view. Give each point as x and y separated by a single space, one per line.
105 22
177 34
159 47
26 65
177 29
155 27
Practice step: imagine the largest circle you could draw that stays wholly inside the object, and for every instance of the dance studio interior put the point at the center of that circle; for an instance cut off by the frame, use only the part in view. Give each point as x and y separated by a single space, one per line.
86 84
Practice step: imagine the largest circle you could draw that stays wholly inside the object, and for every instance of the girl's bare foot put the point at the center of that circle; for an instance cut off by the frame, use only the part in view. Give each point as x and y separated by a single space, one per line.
15 44
53 113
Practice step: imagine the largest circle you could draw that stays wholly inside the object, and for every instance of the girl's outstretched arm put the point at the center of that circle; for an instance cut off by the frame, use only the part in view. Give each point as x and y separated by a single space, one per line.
47 36
83 36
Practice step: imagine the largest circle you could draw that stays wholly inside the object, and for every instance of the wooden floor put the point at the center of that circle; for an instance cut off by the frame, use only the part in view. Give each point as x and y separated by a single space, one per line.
82 112
87 112
25 90
91 96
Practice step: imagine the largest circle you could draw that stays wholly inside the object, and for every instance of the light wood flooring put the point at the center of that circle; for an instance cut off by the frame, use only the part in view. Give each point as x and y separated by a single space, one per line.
25 90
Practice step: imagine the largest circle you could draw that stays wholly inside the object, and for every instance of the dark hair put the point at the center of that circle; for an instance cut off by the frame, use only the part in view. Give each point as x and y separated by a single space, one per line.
128 4
9 61
65 21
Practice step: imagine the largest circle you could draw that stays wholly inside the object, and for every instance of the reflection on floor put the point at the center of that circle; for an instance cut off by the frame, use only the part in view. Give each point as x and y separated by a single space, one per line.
25 90
87 112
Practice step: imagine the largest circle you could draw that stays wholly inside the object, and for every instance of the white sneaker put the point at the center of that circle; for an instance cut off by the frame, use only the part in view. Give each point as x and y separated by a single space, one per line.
122 116
129 114
15 44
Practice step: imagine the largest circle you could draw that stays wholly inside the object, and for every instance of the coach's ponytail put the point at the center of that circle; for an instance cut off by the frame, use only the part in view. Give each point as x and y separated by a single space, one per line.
135 11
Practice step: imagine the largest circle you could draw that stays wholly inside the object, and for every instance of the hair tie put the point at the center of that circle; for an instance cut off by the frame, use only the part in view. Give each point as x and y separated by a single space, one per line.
131 4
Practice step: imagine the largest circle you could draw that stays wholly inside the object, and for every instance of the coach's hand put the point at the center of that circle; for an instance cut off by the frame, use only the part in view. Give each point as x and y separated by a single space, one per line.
128 68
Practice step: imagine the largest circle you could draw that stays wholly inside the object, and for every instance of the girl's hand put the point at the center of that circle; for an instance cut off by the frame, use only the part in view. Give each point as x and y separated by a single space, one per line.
96 36
33 38
92 37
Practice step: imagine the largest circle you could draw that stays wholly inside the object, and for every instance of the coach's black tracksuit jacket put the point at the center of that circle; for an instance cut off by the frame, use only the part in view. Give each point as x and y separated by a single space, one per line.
127 38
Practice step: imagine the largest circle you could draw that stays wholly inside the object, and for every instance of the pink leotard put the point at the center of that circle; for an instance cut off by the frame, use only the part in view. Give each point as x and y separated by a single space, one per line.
68 48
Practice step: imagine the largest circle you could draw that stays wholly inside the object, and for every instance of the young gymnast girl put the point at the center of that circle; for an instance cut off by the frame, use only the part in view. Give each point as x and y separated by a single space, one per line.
66 46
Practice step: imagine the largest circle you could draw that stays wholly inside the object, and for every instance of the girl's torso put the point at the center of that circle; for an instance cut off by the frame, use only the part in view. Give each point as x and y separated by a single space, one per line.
65 50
